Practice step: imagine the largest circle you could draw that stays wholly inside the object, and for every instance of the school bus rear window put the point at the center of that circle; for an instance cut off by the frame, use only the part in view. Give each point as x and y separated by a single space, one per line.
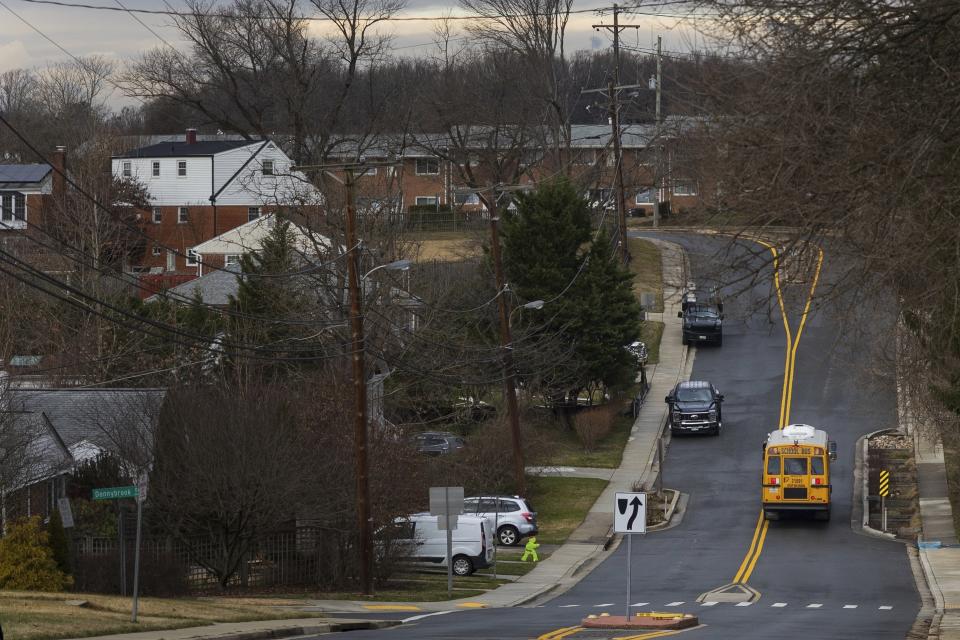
795 466
816 465
773 465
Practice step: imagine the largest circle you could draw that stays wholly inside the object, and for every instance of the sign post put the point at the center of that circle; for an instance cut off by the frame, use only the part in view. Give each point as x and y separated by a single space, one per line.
117 493
141 496
884 492
630 517
447 504
139 492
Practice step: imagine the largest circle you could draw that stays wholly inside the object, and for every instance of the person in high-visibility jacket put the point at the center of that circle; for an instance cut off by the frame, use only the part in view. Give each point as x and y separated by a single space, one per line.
530 550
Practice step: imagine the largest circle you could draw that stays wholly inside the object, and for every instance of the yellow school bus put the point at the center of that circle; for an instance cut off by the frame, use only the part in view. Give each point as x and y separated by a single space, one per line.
796 471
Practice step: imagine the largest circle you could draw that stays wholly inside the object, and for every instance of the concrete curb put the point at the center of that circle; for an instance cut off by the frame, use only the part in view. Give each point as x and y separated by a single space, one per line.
279 631
670 511
933 588
861 479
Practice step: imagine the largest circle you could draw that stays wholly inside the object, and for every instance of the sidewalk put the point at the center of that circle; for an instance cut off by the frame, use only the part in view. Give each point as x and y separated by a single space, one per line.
259 630
938 549
563 567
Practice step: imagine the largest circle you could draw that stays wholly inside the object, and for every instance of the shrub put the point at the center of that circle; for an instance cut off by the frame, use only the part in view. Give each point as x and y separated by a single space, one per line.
594 424
59 543
26 560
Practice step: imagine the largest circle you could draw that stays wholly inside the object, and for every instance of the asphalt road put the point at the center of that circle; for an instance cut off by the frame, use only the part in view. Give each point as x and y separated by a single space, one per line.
816 580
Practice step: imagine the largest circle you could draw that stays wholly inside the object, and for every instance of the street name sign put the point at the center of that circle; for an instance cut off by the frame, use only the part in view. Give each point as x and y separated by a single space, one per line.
115 493
630 513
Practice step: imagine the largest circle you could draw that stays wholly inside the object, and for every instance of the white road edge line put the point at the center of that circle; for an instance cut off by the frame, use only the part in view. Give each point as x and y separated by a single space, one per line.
605 604
779 604
815 605
743 604
567 606
885 607
849 606
674 604
708 604
640 604
427 615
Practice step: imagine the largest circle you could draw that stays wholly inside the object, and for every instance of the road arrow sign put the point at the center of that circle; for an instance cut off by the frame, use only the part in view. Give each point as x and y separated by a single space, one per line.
630 513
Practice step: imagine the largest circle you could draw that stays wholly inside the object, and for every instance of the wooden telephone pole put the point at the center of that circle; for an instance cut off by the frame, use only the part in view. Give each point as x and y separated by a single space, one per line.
613 90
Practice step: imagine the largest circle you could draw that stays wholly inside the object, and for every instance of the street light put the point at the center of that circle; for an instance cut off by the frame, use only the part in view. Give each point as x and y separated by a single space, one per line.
533 304
398 265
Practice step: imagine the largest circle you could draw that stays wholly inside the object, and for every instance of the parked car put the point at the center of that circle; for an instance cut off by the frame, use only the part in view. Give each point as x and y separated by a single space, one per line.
513 516
702 317
695 407
424 541
436 443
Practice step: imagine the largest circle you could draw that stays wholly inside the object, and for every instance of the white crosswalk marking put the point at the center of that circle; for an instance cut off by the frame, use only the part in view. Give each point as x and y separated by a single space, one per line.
639 604
744 604
674 604
815 605
708 604
885 608
849 606
779 604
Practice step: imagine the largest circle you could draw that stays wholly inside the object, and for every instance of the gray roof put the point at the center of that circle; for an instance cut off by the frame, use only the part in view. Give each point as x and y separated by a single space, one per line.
184 150
44 453
15 175
214 288
110 418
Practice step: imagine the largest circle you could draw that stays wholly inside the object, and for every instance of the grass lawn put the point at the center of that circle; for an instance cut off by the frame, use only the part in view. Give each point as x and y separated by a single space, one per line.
565 449
562 504
650 334
647 269
35 616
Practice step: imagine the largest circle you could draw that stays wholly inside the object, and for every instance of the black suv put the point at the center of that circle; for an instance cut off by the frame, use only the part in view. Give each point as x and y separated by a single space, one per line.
695 408
702 317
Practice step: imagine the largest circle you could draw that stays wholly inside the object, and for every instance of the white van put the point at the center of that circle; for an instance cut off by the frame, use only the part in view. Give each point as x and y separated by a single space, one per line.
472 542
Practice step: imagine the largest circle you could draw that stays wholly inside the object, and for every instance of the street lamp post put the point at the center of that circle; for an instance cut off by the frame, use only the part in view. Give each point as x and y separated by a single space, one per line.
364 525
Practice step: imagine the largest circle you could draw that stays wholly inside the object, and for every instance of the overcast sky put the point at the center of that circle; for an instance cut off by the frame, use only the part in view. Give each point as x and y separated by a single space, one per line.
118 35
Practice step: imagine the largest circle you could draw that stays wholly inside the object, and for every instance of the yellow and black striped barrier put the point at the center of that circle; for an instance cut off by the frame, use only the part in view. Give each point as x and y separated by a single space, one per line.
884 483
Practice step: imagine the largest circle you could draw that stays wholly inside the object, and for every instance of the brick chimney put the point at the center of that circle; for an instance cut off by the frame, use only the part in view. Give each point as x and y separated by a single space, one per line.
191 136
59 163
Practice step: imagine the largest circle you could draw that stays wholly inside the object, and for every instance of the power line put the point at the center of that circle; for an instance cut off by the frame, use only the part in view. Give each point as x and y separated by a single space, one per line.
230 16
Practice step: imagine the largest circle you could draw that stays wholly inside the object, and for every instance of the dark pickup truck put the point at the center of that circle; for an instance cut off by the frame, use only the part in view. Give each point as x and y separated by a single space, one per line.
702 318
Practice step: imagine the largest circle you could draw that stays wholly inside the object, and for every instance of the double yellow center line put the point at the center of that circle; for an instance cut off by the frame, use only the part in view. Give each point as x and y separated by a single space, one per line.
786 397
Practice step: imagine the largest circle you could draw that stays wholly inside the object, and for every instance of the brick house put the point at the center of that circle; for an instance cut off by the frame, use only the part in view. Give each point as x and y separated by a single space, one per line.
200 189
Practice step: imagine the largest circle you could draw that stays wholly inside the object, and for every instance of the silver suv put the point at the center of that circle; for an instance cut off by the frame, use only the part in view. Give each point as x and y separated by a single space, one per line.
513 516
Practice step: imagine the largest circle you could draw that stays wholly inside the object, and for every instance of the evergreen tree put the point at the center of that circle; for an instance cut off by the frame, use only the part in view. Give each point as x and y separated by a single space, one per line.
608 318
265 305
592 309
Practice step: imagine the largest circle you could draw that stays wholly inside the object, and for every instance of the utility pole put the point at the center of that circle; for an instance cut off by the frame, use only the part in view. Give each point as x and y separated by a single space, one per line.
359 393
657 179
618 171
506 345
613 94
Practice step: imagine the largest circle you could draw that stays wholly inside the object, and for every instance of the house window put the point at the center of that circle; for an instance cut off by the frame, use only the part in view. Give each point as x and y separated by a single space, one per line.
644 197
14 206
183 215
231 259
157 215
157 251
369 171
191 258
428 166
466 198
253 213
684 189
585 157
127 169
268 167
181 168
156 168
426 200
